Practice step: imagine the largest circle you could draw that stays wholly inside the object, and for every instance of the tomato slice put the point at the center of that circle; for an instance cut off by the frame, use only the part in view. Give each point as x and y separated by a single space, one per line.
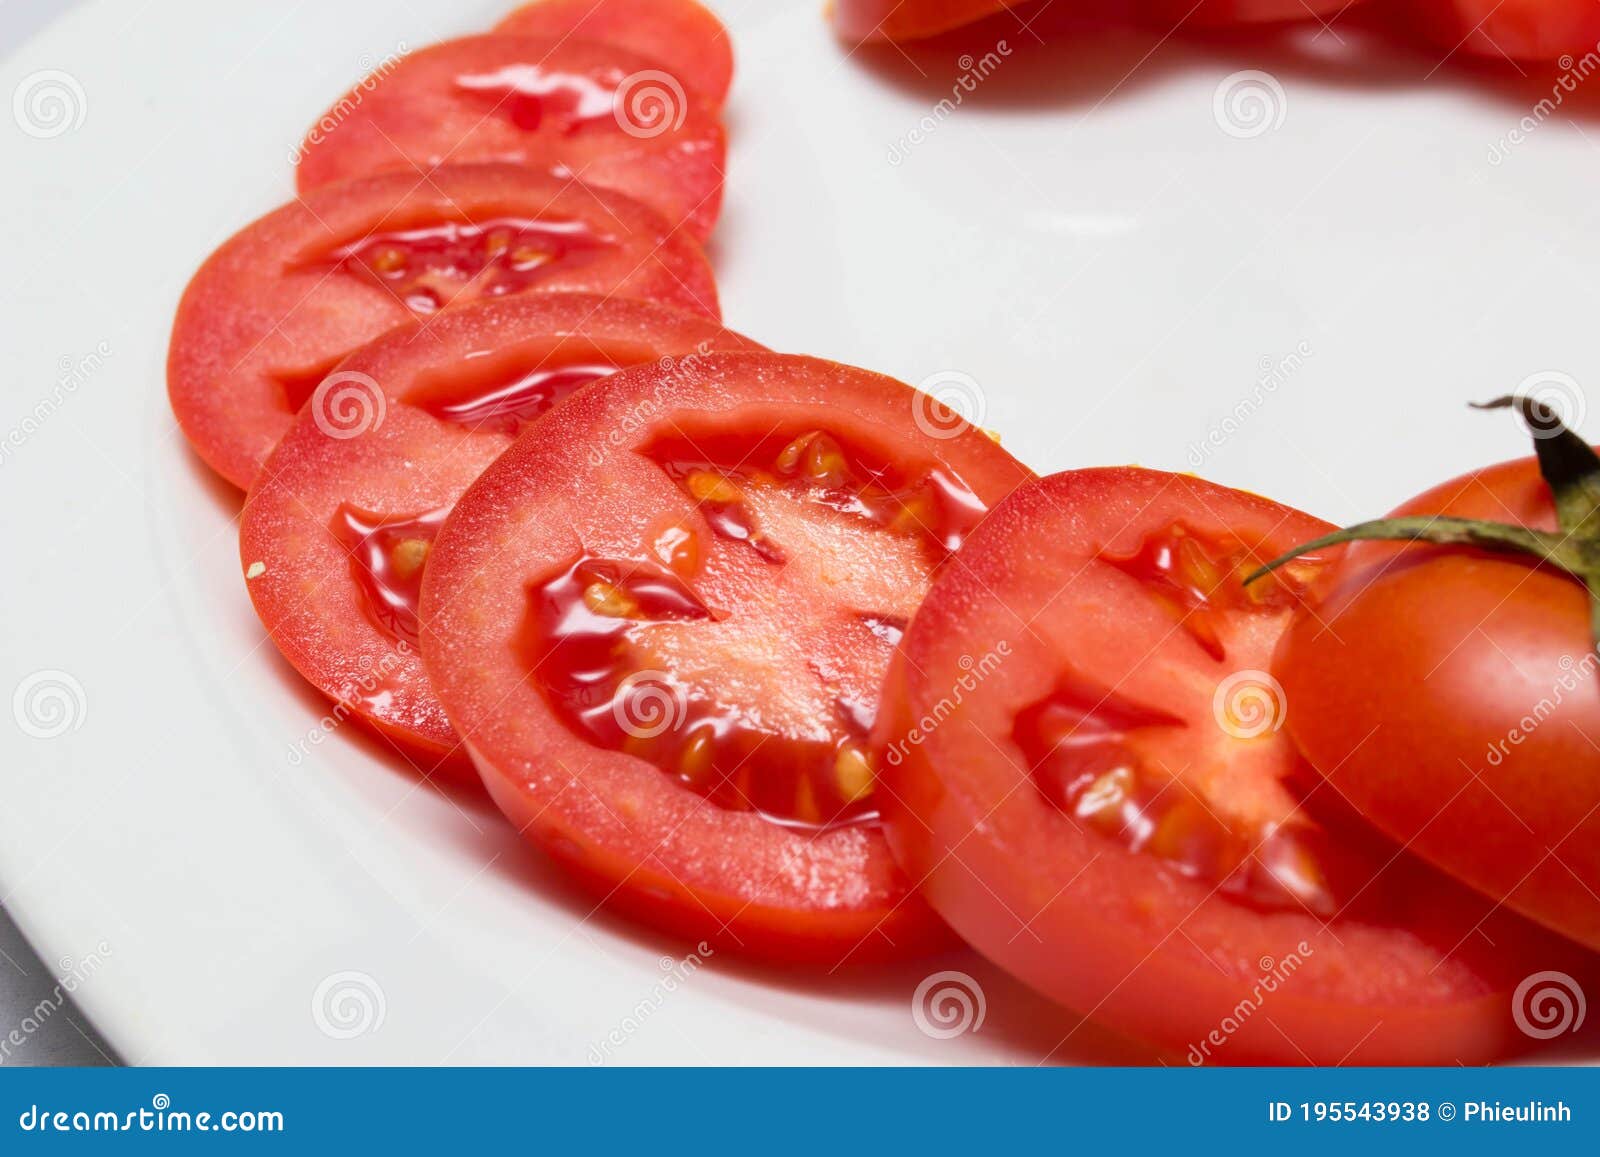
1453 697
572 108
660 622
1082 759
684 36
335 537
283 300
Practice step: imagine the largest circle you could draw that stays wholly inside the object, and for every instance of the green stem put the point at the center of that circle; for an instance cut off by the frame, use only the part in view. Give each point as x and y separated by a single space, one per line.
1439 529
1569 466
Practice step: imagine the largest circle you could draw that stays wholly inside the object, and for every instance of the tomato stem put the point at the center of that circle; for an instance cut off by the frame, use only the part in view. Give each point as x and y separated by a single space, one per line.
1569 466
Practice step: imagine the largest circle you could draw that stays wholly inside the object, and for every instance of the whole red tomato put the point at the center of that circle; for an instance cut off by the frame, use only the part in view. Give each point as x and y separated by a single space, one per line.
1453 695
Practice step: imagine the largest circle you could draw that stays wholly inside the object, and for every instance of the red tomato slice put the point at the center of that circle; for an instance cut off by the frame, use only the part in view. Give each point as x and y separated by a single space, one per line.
660 622
683 35
572 108
1531 30
280 303
1453 697
1081 760
335 536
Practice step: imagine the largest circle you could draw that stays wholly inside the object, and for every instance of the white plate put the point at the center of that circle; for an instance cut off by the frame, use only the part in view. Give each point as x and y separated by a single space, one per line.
1084 239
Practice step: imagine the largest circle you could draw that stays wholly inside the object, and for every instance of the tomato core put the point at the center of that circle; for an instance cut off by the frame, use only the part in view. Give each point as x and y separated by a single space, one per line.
594 636
387 556
1199 578
582 627
503 390
1117 766
431 266
726 474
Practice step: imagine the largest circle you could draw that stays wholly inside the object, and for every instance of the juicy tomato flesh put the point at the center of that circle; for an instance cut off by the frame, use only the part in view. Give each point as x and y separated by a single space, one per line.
569 108
455 262
280 304
687 39
1113 763
504 391
531 97
593 625
387 555
1200 580
388 552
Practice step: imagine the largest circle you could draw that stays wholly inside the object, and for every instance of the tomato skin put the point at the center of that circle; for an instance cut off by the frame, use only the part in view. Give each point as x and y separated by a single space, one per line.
645 842
682 34
249 313
1115 934
416 118
1453 697
1527 30
406 462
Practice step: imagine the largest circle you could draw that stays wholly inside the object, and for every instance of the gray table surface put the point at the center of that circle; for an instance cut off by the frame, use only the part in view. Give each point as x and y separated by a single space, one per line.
28 986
